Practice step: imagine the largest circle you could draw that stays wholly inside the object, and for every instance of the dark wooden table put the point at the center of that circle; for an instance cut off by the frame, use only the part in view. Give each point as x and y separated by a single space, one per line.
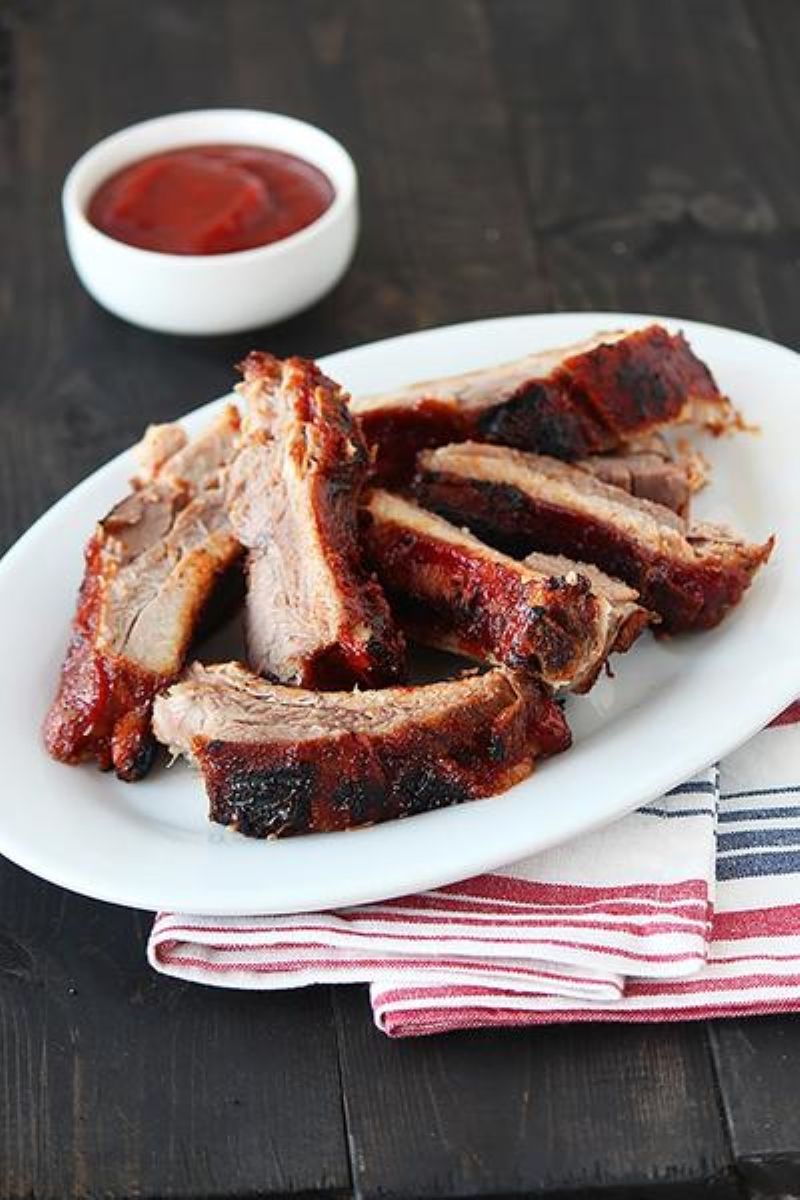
516 156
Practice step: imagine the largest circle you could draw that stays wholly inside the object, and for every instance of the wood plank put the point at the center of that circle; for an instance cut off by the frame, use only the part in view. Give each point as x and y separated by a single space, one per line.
556 1111
659 174
117 1082
756 1062
114 1081
408 89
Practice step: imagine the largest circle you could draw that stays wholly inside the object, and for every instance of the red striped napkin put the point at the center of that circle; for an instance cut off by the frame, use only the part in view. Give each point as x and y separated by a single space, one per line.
685 908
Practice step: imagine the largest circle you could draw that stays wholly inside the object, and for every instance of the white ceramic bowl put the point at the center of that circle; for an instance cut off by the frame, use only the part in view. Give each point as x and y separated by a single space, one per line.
217 293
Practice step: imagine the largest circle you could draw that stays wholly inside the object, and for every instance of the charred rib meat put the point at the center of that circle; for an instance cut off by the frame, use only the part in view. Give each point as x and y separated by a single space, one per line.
689 573
151 566
585 399
451 591
278 760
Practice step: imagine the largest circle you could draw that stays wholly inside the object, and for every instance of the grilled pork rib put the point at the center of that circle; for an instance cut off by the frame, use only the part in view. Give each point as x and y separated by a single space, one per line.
451 591
651 470
623 598
581 400
689 573
278 760
314 616
151 566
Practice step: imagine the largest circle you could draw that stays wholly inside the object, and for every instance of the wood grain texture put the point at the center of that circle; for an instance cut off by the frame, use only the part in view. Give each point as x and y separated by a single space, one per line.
117 1082
545 1112
656 164
756 1064
515 155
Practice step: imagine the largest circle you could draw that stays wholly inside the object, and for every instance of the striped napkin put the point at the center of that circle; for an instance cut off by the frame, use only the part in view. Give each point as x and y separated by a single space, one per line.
688 907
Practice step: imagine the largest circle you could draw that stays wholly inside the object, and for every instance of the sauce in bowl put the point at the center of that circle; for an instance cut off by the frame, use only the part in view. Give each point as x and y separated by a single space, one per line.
213 199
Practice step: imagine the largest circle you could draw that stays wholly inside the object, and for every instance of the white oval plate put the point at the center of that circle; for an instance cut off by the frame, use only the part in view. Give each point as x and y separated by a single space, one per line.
672 708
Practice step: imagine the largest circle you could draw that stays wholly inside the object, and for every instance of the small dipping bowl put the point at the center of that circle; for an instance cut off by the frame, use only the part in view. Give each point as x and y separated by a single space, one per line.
212 293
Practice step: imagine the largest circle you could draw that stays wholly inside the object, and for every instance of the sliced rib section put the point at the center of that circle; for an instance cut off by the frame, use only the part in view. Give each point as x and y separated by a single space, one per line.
451 591
689 573
584 399
314 615
622 597
278 760
651 470
151 567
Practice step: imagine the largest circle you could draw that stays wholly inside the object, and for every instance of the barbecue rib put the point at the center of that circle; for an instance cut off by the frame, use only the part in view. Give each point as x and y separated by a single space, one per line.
622 597
280 760
451 591
689 573
151 566
651 470
583 399
315 617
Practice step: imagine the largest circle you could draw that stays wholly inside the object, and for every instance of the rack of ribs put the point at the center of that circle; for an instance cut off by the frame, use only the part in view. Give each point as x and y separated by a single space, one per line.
585 399
314 616
451 591
690 573
277 760
151 567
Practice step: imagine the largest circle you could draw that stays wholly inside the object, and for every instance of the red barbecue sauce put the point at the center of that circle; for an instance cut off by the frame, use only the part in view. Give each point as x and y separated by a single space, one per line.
210 199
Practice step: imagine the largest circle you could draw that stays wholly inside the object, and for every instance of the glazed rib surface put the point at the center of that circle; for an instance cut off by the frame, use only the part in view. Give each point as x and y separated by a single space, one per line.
279 760
151 567
453 592
690 573
585 399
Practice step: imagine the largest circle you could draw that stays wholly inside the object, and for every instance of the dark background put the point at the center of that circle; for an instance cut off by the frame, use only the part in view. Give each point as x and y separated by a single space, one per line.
515 156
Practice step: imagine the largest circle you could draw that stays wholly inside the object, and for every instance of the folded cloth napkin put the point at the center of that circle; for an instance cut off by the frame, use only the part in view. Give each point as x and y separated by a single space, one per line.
688 907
